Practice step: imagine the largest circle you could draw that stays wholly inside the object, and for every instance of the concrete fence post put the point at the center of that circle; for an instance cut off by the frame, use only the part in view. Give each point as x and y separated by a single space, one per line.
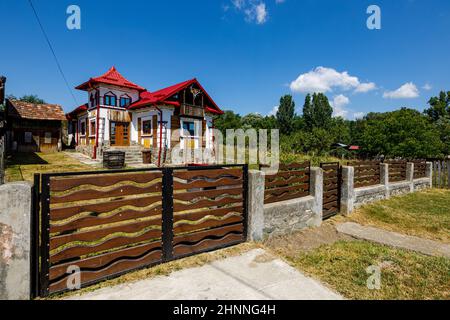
384 178
410 175
255 208
347 190
15 238
316 190
429 172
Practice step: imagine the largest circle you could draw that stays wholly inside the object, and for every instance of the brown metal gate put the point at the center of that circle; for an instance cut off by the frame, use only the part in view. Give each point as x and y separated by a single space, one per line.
104 224
331 189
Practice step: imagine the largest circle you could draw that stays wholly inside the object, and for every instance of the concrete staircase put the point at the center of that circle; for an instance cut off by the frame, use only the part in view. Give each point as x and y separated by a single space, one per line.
133 154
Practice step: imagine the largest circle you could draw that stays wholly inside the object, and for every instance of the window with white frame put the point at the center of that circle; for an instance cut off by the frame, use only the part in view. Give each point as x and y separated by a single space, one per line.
189 133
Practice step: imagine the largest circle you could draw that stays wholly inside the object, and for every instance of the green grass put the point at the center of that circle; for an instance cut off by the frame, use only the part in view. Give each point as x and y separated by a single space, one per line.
22 166
424 214
404 274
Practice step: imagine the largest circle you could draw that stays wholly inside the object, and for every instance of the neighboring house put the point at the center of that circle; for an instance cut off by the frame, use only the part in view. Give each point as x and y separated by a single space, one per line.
34 127
123 115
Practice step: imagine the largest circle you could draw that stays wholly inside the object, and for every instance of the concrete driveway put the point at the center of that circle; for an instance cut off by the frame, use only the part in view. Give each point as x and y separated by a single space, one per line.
252 275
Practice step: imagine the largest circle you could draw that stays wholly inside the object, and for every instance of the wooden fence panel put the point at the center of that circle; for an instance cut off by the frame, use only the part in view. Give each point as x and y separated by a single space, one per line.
111 222
290 182
98 222
367 173
441 174
420 169
397 170
331 189
208 209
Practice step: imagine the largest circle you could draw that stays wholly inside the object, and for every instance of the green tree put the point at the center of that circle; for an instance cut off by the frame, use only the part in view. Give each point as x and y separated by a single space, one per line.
318 112
402 133
285 114
227 120
32 98
439 106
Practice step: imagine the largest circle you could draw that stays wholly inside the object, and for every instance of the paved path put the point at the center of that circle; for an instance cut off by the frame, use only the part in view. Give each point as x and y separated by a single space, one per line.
394 239
252 275
83 158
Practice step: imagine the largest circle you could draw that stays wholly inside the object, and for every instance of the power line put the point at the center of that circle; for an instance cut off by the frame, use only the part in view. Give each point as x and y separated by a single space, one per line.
53 52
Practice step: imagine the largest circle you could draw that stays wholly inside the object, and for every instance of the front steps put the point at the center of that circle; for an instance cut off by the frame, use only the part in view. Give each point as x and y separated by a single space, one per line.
133 154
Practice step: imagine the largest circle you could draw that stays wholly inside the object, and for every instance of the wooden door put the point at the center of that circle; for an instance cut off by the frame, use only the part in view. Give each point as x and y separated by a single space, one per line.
119 134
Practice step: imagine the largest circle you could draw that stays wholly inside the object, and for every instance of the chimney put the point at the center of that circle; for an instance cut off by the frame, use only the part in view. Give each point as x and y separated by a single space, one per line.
2 89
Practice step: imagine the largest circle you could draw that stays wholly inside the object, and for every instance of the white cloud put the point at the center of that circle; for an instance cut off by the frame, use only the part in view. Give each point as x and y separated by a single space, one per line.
338 104
324 79
427 87
274 111
365 87
238 4
406 91
261 13
254 10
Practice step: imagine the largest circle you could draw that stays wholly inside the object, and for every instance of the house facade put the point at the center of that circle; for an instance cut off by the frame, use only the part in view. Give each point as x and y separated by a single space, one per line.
122 115
33 127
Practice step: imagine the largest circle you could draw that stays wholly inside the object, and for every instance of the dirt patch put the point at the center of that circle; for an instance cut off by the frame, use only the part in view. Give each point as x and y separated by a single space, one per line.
306 240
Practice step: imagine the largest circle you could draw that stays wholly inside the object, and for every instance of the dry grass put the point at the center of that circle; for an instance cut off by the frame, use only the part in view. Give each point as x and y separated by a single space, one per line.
22 166
404 275
424 214
166 268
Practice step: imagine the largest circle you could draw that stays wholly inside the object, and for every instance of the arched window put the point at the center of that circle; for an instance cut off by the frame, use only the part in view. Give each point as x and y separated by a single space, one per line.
125 100
110 99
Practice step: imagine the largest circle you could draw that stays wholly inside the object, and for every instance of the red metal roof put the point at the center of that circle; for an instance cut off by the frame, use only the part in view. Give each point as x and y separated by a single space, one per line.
112 76
161 96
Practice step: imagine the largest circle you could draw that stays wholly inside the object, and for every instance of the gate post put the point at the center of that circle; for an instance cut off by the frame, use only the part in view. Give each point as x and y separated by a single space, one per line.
410 175
429 173
34 237
347 190
167 214
316 190
255 206
384 179
45 236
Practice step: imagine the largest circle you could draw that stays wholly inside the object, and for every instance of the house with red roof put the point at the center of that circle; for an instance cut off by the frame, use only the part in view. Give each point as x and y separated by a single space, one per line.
122 115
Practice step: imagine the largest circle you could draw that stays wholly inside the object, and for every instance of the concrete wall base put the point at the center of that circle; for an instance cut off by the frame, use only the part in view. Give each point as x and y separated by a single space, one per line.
15 218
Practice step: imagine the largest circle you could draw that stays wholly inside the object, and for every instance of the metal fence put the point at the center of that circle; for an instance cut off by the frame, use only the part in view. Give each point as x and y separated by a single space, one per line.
2 158
107 223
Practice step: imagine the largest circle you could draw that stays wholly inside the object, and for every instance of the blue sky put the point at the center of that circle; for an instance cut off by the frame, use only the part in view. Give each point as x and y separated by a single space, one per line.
246 53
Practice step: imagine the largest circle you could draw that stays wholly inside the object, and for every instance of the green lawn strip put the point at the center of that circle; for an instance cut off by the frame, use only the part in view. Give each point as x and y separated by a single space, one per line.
423 214
22 166
404 274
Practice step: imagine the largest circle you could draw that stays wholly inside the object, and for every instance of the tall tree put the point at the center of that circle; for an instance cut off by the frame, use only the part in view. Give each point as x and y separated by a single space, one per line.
285 114
439 106
318 112
308 113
